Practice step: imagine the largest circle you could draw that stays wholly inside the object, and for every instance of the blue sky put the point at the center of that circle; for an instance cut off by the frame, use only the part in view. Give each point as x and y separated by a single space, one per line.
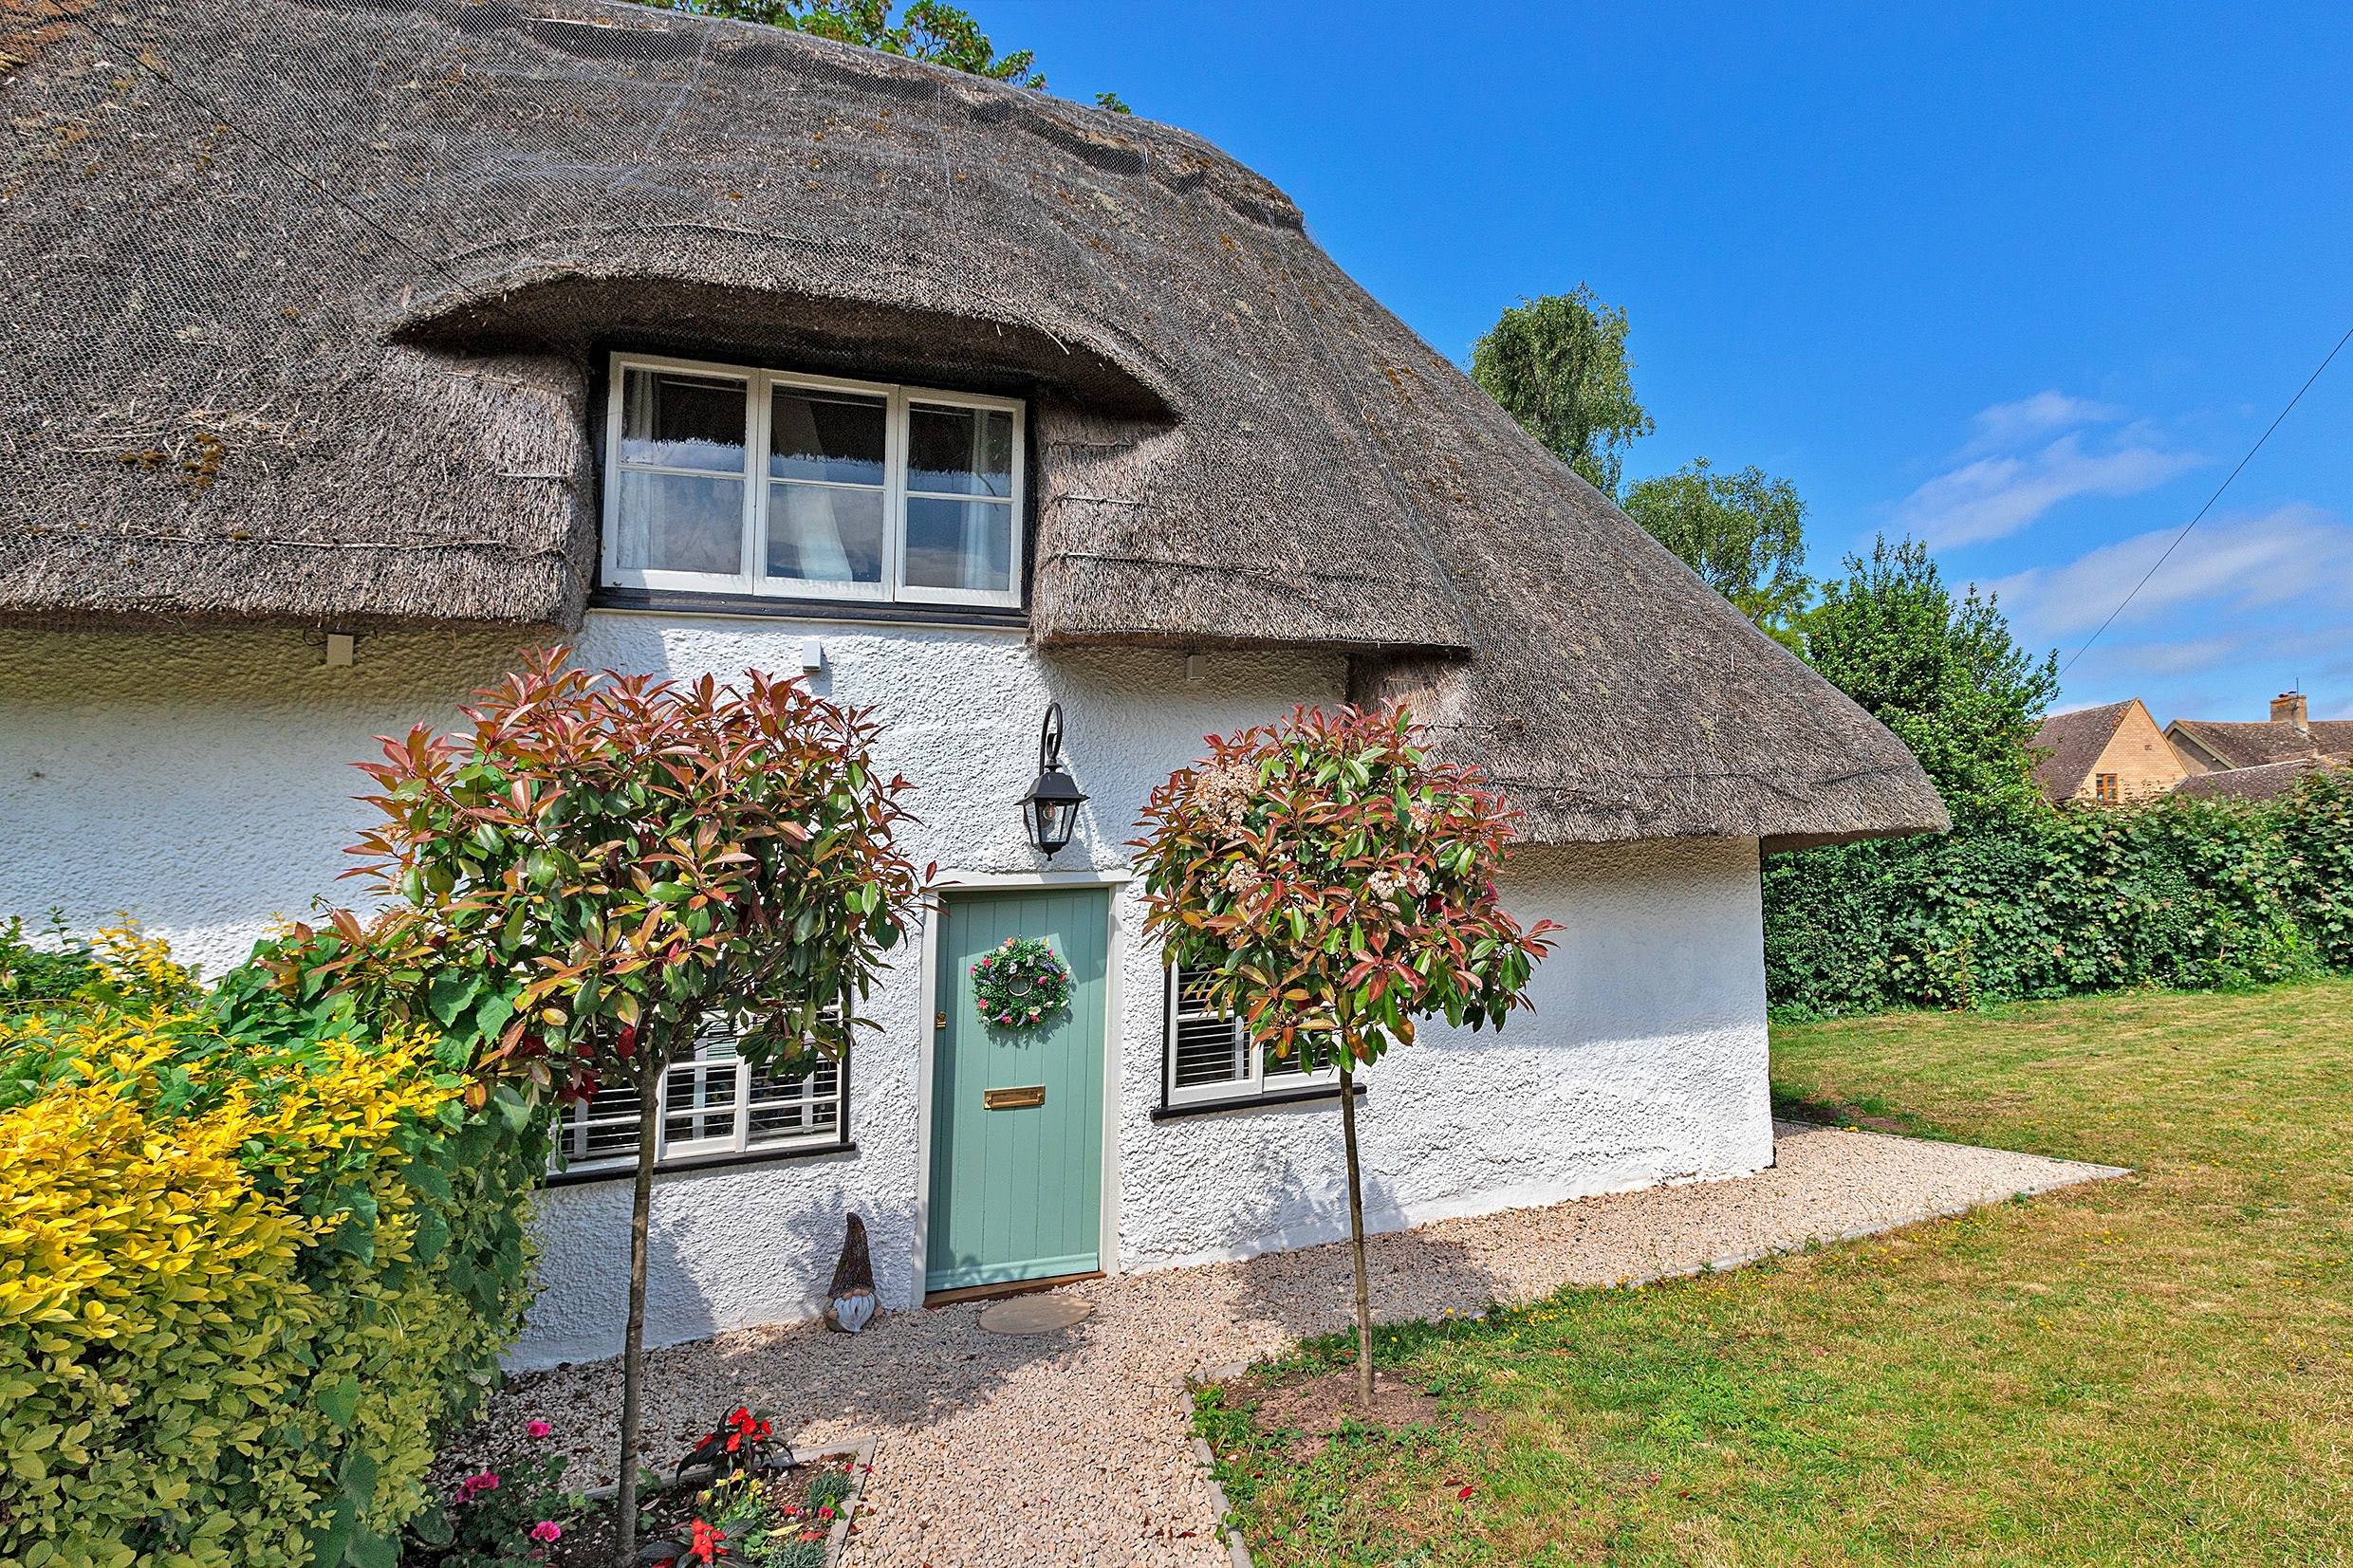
2024 282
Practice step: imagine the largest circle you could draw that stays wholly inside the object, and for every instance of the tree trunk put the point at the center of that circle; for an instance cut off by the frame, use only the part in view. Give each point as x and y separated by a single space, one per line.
1356 1239
633 1343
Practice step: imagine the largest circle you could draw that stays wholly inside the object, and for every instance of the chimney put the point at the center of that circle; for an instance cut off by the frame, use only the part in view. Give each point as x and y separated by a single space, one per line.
2291 707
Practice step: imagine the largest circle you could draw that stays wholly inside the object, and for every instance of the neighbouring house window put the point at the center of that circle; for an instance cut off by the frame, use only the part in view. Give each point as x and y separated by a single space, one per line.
1209 1058
714 1105
732 479
2103 787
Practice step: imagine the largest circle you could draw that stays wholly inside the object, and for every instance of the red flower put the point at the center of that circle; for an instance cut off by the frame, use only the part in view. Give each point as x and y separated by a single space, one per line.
705 1542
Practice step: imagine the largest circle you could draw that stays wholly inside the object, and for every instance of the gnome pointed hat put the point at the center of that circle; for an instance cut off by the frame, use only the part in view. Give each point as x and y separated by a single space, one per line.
856 1270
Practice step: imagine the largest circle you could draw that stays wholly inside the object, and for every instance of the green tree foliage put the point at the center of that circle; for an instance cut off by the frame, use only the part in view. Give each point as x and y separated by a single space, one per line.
260 1256
1338 884
1743 532
1942 673
644 859
2179 892
924 30
1558 365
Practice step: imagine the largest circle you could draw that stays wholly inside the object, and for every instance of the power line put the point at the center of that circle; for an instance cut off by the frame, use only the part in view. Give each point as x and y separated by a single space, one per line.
2210 502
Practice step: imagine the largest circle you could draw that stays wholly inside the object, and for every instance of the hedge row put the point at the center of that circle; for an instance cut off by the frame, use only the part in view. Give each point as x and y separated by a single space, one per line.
2178 893
258 1255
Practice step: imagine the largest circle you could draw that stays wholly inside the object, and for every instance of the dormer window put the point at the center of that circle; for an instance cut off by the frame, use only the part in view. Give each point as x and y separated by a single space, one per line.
730 479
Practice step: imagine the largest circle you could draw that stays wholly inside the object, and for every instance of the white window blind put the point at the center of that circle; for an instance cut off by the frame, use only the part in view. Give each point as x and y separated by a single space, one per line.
712 1104
1211 1058
732 479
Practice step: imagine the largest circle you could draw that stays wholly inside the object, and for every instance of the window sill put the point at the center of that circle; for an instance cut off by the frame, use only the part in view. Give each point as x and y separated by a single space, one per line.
699 1164
898 612
1253 1102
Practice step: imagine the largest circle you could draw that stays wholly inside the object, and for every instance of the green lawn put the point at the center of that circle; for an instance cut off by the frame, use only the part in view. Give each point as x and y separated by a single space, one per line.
2157 1369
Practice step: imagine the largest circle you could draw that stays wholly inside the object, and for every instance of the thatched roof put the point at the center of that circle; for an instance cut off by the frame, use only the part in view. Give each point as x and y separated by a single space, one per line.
306 303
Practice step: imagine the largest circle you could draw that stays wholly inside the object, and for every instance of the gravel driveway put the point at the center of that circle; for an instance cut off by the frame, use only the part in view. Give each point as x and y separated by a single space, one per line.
1075 1448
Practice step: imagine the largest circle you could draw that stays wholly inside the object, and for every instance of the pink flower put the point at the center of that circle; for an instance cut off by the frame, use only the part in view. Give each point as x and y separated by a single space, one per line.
475 1486
824 1513
546 1531
539 1429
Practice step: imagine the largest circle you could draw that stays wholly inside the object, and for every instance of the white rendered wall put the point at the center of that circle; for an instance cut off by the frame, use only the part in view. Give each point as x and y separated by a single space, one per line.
201 781
1644 1062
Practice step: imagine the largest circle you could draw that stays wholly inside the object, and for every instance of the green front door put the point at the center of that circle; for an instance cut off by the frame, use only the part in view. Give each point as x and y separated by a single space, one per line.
1018 1115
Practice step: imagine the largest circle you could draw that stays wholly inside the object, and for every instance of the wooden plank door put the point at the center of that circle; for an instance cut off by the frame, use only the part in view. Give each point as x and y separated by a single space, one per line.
1017 1180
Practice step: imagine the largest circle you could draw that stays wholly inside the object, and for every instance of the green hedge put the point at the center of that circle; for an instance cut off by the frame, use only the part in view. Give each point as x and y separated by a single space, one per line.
262 1254
2191 894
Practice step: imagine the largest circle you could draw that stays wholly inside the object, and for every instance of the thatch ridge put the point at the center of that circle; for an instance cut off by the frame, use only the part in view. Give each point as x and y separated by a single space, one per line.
341 363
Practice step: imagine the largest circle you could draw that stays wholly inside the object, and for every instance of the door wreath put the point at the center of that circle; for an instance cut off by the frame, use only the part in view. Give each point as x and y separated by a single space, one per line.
1019 983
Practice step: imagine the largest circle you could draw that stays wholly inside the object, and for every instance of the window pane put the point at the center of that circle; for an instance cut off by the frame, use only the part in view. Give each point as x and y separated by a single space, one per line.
959 545
678 523
825 435
820 534
1305 1057
1209 1050
961 451
682 421
606 1128
796 1105
1208 1046
701 1102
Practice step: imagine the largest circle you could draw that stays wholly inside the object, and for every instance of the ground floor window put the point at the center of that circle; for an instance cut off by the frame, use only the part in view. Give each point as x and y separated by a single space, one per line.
1211 1058
713 1105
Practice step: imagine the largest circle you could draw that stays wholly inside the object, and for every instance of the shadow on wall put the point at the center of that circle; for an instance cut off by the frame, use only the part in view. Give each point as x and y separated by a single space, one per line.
726 1250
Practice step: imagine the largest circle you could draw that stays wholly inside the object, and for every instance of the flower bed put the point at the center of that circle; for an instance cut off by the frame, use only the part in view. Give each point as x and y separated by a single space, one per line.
512 1511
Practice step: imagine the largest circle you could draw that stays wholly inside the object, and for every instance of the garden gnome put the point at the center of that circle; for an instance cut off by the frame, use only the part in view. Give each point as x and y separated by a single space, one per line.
853 1284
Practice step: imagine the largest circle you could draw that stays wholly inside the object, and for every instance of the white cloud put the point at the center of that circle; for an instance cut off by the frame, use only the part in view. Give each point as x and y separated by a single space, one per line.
2007 425
2026 458
2293 557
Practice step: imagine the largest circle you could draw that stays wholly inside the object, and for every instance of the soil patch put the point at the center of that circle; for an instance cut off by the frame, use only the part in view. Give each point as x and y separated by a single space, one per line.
1320 1405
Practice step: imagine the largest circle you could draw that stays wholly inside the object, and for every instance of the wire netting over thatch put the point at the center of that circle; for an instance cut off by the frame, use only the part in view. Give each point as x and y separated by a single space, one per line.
307 305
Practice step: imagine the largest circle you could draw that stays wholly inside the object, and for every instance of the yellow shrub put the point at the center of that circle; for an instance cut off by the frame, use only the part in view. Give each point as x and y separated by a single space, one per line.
231 1316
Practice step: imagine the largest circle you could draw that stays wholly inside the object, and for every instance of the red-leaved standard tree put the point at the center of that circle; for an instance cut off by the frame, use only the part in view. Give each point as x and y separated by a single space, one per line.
1338 884
634 860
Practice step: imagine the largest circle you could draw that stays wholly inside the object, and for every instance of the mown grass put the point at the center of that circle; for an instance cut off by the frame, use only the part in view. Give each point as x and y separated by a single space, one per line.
2153 1369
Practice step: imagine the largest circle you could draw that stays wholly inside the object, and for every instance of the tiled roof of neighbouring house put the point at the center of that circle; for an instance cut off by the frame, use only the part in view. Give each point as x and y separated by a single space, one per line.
2252 784
2074 742
306 303
2256 745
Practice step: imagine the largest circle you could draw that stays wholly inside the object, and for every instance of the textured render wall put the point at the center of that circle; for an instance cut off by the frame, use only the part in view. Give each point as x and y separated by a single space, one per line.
201 781
1644 1062
756 1243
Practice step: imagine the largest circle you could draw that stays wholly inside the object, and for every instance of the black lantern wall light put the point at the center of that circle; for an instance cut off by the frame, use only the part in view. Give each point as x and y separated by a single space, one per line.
1050 810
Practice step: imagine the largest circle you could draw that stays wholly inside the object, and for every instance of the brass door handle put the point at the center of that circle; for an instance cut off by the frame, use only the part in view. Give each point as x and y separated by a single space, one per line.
1013 1099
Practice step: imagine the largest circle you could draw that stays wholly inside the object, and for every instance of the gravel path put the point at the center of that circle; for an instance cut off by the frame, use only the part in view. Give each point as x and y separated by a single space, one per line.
1075 1448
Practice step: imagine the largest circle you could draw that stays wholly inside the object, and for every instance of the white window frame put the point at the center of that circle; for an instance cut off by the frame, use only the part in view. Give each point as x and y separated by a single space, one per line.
571 1154
1255 1084
759 394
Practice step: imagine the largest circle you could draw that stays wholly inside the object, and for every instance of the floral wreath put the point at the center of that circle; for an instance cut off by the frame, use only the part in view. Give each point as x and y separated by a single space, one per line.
1020 983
